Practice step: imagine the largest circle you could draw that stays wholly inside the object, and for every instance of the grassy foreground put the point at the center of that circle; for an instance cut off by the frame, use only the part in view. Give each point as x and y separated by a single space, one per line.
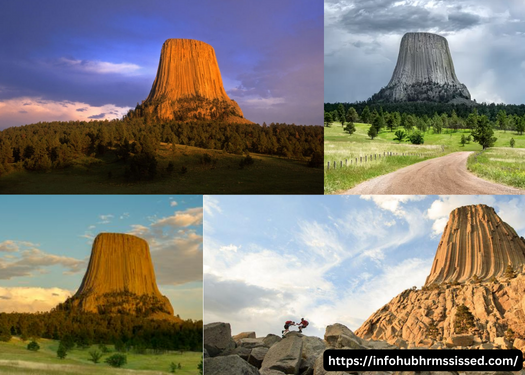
340 145
268 175
16 359
500 164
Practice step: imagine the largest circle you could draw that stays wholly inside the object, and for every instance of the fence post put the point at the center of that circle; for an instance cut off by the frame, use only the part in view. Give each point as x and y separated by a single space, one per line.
328 167
360 159
346 162
341 165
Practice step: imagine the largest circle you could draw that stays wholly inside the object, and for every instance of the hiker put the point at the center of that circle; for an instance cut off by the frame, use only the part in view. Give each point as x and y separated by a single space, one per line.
287 325
302 324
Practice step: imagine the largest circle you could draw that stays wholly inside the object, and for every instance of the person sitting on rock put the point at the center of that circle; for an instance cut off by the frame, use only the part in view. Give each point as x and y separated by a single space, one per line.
302 324
287 325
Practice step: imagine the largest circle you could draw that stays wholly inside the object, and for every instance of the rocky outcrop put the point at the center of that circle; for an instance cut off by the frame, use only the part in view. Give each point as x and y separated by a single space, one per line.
476 243
228 365
188 85
120 279
468 271
424 72
272 355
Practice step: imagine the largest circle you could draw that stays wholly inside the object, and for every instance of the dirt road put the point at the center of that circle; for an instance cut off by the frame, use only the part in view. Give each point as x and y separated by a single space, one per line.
444 175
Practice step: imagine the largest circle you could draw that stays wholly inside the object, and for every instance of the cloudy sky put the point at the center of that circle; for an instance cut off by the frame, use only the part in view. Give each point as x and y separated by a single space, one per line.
64 60
486 39
45 244
329 259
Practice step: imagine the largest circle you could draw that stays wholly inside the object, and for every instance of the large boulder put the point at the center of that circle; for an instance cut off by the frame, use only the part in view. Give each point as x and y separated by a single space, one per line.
319 368
285 355
257 356
339 336
244 335
228 365
217 338
503 343
313 347
271 339
460 340
251 343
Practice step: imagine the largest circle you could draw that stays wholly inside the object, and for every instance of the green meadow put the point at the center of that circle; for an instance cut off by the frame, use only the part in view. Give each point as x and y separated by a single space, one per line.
217 173
16 359
339 146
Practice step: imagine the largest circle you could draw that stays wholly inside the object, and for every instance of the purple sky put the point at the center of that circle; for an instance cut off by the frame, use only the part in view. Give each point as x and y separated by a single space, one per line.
65 60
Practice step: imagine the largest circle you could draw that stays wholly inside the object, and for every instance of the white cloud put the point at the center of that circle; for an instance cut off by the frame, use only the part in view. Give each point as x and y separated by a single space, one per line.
392 203
99 67
106 219
29 110
189 217
173 203
211 205
31 300
8 246
125 215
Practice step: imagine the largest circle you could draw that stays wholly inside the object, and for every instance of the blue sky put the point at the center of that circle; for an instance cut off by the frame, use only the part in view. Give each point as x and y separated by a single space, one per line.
75 60
45 244
330 259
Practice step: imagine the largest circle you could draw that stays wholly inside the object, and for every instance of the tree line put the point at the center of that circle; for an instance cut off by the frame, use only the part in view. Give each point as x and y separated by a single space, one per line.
136 140
414 126
125 331
491 110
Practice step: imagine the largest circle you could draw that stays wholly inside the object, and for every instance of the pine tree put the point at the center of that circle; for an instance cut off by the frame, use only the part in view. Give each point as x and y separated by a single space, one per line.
372 132
483 133
464 319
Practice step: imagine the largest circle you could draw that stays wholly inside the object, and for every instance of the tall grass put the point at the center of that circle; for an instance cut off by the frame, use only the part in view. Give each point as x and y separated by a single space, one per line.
502 165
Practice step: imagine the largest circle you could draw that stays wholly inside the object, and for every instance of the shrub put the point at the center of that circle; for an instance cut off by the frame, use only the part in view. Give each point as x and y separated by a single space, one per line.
246 161
103 348
117 360
316 160
183 170
170 168
416 138
509 272
95 356
61 352
464 320
33 346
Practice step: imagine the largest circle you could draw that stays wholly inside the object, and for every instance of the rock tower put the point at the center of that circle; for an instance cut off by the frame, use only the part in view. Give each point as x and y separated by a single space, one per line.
188 85
424 72
469 269
120 279
476 242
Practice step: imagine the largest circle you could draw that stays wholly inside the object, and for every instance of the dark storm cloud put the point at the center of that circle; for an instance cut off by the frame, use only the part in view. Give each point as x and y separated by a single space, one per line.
100 115
388 17
487 42
81 109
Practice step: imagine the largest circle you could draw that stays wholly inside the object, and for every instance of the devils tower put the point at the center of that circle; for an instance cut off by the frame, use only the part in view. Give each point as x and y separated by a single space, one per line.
120 279
469 269
476 242
424 72
188 85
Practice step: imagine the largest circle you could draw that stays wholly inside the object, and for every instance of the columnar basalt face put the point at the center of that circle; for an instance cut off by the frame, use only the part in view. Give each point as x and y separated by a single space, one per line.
189 85
424 72
476 242
120 277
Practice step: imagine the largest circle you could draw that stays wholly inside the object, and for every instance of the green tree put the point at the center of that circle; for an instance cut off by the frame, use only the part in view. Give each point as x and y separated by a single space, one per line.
341 113
520 125
372 132
437 123
351 115
410 122
61 352
464 320
378 122
502 120
463 140
328 119
350 128
483 133
200 367
512 142
365 115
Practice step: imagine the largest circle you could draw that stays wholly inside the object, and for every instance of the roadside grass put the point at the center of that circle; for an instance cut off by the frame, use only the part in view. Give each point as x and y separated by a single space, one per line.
268 175
340 146
500 164
16 359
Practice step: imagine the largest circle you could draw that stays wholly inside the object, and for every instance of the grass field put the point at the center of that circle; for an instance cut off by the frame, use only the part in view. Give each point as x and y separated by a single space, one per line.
500 164
268 175
340 145
16 359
